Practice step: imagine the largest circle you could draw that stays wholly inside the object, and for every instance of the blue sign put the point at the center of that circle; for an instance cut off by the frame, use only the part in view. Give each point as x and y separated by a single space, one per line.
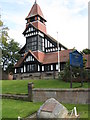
76 59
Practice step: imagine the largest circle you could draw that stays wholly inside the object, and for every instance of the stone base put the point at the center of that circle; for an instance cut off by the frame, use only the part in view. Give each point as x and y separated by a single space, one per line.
37 75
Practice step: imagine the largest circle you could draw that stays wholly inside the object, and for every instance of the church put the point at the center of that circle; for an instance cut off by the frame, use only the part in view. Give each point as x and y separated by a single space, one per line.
42 56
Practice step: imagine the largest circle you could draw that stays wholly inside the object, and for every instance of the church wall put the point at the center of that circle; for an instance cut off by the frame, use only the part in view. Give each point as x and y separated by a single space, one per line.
37 75
40 43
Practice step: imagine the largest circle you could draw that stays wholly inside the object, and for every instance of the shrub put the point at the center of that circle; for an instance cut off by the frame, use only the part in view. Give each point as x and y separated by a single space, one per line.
76 73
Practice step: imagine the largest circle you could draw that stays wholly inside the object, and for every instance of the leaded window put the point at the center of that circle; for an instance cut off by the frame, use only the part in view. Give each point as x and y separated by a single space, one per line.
28 69
32 68
41 43
29 58
49 67
32 43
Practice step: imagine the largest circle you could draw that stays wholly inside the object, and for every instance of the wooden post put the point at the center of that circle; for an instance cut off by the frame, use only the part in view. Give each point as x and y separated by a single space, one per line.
71 77
30 96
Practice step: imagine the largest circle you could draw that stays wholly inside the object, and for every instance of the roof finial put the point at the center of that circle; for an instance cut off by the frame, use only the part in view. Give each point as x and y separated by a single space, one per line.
35 1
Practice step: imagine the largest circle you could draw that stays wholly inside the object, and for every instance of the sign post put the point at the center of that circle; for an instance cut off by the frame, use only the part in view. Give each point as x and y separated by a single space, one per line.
76 60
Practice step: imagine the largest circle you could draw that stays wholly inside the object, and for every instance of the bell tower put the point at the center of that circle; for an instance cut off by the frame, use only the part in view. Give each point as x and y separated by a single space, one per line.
35 29
36 17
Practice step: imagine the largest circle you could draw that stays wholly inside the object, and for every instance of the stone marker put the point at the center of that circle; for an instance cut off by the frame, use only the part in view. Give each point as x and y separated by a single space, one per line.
52 109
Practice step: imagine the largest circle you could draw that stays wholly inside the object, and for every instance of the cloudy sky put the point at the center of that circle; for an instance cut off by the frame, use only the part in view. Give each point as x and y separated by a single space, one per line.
67 17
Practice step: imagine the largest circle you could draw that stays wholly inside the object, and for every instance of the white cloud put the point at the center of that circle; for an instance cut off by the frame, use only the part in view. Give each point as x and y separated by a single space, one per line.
17 35
16 24
16 1
71 26
63 16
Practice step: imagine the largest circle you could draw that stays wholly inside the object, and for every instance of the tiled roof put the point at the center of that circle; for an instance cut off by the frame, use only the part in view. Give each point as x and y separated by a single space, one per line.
34 55
35 10
20 61
47 58
50 58
40 56
53 57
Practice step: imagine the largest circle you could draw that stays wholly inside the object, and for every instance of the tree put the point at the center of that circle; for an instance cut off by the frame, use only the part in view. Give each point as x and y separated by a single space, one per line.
10 55
3 32
3 38
9 48
76 72
86 51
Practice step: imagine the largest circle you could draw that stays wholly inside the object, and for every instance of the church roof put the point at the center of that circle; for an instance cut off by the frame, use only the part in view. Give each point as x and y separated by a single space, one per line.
21 60
35 10
53 57
48 58
38 26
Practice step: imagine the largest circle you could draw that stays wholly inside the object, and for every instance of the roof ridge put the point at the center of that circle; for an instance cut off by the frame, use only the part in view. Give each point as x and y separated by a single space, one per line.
33 55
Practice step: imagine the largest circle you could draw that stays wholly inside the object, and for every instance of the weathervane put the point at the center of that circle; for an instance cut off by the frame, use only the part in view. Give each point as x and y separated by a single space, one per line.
35 1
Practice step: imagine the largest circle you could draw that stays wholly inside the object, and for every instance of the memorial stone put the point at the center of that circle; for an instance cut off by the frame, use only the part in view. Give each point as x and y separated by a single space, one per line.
52 109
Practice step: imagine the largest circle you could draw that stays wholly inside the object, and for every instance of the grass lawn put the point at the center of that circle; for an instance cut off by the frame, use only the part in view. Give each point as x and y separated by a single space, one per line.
15 108
82 110
20 86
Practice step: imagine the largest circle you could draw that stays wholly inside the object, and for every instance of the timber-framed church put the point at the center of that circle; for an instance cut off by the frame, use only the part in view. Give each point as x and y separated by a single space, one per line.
39 56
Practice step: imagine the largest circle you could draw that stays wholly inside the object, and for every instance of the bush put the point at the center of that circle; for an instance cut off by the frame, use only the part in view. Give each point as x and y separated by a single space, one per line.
61 75
76 74
65 74
88 74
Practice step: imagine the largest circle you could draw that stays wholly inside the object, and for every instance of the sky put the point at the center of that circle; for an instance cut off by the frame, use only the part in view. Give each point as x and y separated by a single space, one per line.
67 17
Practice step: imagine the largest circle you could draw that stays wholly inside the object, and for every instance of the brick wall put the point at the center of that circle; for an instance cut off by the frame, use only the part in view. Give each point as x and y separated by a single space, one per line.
74 96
